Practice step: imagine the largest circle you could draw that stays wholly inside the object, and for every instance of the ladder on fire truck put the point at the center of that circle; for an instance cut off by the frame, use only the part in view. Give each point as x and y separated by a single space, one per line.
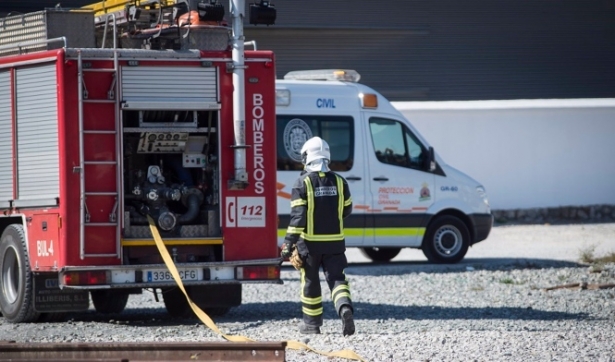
99 147
100 204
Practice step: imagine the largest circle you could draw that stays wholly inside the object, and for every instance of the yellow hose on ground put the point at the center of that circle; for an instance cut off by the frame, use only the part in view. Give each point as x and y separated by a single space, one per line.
348 354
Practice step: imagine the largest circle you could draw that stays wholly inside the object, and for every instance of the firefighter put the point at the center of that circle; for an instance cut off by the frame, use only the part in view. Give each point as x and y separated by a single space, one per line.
315 236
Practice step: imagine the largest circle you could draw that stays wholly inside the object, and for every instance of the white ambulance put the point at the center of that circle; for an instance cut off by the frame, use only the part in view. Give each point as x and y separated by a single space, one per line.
404 194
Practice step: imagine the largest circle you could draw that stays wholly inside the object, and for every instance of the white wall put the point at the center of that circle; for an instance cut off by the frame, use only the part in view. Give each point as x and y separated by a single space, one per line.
527 153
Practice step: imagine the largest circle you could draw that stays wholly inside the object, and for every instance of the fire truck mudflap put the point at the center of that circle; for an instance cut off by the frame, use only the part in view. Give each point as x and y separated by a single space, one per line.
48 297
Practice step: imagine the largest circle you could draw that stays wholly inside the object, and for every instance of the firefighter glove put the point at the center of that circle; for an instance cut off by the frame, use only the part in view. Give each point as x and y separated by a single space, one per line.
287 250
295 259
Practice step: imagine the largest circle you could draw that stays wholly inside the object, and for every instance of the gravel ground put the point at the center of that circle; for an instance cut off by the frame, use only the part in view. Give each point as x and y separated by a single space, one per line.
490 307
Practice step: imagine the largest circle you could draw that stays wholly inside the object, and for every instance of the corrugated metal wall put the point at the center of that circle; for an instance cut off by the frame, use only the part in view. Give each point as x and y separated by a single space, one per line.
452 50
446 49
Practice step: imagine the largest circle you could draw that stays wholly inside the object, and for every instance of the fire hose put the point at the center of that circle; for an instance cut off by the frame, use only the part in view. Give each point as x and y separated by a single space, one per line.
347 354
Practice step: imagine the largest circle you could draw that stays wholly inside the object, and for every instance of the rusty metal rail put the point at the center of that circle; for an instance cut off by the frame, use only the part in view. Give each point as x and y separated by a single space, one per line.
149 351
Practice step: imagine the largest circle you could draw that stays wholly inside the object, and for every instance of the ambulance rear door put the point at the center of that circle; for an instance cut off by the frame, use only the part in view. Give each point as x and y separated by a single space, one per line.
330 111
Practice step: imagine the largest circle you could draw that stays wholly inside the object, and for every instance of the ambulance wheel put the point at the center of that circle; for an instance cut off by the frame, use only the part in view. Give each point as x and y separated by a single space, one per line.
380 254
446 241
16 280
175 302
109 301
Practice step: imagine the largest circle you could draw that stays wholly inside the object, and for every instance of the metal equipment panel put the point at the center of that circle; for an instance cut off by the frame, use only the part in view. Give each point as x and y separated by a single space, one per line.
77 27
6 143
37 133
169 84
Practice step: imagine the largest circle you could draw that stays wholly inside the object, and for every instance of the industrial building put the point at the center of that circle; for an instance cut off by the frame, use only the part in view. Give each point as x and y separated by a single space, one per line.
440 50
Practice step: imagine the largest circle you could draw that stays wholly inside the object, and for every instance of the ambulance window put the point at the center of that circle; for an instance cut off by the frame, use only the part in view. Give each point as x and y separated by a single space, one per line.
294 130
394 144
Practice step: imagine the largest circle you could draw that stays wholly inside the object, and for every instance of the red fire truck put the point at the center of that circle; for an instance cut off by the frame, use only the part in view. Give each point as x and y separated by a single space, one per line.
127 110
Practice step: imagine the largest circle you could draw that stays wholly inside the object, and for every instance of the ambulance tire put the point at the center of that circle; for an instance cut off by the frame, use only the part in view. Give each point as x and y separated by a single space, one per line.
109 301
17 292
446 241
380 255
176 303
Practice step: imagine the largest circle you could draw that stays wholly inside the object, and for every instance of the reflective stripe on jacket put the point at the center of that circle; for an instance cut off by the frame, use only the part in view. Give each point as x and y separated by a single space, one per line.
319 203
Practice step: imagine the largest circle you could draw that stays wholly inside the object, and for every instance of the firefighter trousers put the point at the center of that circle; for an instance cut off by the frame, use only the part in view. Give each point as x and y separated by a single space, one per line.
333 266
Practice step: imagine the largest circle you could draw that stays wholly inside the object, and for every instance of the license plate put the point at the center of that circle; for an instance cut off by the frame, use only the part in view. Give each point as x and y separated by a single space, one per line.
153 276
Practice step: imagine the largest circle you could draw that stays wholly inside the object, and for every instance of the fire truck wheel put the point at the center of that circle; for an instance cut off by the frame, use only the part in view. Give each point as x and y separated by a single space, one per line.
447 240
109 301
16 295
175 302
380 254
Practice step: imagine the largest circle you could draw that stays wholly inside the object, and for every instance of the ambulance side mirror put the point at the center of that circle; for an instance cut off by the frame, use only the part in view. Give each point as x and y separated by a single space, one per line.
431 160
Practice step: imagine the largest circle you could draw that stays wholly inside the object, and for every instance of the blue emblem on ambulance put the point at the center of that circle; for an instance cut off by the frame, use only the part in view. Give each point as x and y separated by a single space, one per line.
296 133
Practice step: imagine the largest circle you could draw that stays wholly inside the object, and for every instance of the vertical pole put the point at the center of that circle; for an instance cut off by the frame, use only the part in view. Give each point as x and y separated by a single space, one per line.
239 101
81 158
119 149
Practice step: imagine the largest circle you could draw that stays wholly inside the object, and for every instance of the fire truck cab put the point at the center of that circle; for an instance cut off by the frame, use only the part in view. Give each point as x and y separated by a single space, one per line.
111 116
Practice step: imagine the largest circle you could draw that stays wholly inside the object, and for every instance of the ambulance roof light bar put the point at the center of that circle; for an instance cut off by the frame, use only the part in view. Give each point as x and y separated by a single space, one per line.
344 75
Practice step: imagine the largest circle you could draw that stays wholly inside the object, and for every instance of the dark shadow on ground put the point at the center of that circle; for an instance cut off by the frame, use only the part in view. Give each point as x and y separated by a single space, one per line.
262 313
503 222
370 311
469 264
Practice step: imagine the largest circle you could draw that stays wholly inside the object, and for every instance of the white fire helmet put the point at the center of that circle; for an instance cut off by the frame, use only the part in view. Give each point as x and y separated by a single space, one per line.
315 155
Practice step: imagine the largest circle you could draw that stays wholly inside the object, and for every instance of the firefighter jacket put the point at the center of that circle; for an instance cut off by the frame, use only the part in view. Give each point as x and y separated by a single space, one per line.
319 203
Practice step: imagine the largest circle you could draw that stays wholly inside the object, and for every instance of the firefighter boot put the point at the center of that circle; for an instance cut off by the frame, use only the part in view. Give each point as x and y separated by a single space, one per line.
347 321
307 329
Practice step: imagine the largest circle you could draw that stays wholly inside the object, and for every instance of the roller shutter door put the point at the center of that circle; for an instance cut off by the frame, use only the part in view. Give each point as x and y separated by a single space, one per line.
6 143
37 136
157 86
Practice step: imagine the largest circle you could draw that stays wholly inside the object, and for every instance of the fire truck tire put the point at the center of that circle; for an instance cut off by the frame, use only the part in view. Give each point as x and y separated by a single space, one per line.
109 301
447 240
17 288
380 254
175 302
